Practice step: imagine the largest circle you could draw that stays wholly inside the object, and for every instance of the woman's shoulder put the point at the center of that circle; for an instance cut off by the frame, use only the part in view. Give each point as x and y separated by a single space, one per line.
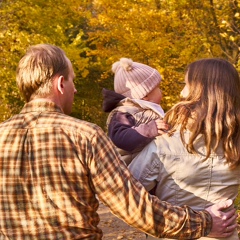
170 143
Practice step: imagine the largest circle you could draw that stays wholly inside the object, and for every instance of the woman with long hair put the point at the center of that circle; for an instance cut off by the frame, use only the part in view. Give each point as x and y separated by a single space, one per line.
197 162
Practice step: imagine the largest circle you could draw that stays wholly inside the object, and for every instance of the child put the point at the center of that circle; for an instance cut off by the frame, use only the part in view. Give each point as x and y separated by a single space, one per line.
135 117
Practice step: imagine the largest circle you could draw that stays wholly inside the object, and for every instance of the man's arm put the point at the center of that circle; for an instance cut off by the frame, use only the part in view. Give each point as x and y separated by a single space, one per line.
129 200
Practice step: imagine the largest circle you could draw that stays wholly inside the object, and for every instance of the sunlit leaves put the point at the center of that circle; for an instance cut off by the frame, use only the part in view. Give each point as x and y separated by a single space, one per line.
30 22
165 34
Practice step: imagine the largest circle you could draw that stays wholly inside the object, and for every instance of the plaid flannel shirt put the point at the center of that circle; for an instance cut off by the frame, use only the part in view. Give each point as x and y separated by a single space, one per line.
52 166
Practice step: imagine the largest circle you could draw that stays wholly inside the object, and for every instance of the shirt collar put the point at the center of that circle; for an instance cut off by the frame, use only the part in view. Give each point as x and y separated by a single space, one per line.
41 106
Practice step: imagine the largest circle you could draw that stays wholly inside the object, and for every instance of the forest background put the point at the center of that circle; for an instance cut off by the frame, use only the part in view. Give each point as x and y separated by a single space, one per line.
165 34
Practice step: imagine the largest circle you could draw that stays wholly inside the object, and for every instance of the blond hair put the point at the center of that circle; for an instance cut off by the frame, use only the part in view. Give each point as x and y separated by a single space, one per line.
38 67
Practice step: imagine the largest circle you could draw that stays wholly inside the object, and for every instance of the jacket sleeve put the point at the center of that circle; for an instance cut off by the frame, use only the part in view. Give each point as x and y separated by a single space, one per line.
125 135
145 166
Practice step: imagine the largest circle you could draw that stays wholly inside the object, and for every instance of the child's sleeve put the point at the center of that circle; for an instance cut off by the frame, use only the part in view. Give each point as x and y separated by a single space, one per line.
125 135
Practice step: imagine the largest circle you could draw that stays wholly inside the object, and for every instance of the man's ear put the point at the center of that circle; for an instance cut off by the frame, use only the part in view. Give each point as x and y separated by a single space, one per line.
60 84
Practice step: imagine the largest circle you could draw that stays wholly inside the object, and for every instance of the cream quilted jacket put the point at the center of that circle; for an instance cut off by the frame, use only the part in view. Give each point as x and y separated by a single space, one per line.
181 178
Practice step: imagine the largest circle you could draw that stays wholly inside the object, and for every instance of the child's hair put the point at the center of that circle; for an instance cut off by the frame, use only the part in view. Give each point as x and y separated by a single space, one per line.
133 79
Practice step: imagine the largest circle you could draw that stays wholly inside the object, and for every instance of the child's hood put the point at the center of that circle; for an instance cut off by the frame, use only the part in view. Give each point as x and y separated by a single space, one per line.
110 100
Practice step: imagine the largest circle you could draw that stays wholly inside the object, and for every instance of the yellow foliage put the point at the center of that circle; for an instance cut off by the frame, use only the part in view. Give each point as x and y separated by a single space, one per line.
166 35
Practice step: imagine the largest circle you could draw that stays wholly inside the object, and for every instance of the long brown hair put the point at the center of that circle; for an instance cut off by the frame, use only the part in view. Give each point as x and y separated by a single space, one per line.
212 108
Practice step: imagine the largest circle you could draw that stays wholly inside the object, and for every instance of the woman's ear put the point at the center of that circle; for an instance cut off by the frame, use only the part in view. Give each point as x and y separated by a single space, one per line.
60 84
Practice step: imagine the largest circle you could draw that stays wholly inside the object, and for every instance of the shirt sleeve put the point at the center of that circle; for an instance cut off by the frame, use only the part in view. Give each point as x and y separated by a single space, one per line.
128 199
126 135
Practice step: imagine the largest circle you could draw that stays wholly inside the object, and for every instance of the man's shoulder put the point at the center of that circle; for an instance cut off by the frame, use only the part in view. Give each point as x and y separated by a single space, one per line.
50 120
77 124
81 128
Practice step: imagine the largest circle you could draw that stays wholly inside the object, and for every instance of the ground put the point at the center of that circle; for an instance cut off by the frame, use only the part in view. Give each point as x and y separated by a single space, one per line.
114 229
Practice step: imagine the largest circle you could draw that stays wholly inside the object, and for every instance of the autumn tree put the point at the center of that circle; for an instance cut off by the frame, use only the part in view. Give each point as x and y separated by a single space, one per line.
166 34
217 23
59 22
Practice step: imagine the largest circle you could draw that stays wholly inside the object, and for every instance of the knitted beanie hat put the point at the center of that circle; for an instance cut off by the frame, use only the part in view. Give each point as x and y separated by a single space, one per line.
133 79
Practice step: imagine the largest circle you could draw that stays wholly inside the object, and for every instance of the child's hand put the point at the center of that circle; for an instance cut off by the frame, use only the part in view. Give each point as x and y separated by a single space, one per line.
161 126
